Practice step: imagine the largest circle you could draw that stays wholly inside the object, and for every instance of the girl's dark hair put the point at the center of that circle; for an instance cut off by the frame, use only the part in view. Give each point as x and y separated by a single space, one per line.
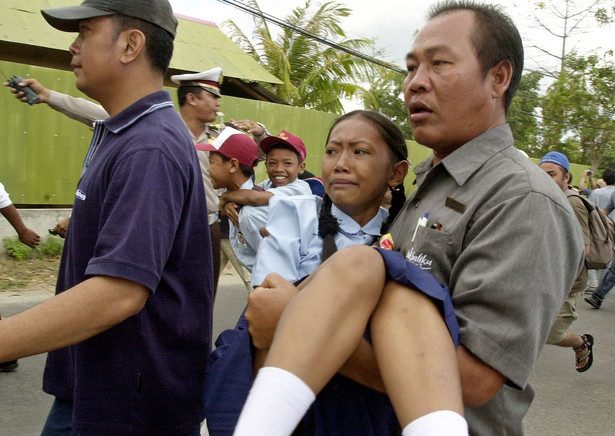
328 226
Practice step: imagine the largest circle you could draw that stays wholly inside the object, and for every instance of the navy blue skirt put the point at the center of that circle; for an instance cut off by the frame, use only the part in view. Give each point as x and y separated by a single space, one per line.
410 275
343 406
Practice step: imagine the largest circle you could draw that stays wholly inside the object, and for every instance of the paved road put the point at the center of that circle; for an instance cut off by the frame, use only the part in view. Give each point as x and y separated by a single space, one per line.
567 403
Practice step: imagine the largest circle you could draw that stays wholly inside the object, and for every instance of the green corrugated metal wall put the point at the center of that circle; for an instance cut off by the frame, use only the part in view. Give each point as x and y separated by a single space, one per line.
43 150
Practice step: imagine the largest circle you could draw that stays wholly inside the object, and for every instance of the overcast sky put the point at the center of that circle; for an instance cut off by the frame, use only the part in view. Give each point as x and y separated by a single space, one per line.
392 23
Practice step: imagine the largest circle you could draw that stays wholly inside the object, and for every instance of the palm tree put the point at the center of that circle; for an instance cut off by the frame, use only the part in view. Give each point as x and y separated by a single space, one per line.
314 75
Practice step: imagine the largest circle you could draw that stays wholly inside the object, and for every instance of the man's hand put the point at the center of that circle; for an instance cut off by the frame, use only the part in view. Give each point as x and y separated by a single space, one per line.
248 126
62 227
265 307
43 93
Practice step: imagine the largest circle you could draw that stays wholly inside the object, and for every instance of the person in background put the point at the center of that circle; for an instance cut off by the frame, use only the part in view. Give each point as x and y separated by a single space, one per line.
601 197
232 158
247 208
199 96
587 184
129 329
26 236
556 165
7 208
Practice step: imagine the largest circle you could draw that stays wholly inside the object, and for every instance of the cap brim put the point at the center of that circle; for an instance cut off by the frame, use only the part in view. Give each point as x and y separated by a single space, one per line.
270 141
212 91
67 19
206 146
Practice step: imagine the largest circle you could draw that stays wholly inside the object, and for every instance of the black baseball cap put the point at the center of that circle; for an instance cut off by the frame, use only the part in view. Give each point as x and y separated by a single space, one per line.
158 12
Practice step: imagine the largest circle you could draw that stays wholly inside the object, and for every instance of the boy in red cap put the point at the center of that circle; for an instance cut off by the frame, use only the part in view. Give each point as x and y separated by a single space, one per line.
285 161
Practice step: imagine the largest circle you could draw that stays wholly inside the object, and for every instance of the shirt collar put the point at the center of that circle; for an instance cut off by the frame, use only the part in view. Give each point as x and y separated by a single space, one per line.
136 111
248 184
350 226
472 155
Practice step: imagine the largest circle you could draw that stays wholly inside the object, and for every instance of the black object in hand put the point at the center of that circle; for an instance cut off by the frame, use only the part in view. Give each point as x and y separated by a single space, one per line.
31 96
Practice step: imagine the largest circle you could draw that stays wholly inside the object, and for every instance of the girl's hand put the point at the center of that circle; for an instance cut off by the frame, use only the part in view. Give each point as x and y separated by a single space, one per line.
265 307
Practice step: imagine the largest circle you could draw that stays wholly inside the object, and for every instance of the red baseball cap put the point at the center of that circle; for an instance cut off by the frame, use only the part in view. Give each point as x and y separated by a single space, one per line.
286 138
235 145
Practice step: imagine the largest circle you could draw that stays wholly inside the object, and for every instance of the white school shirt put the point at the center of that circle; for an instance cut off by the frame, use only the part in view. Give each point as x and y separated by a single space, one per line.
5 200
293 248
252 218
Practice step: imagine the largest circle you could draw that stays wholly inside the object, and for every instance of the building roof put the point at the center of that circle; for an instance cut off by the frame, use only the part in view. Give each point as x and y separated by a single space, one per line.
26 37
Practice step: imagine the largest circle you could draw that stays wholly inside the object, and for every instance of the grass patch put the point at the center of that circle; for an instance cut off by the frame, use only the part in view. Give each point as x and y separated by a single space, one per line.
49 247
27 267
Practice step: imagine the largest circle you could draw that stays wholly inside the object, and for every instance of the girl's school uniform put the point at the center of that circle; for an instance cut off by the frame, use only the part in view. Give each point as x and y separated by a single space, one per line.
294 250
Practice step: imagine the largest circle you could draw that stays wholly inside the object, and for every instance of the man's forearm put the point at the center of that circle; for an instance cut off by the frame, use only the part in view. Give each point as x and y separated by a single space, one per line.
479 382
75 315
78 109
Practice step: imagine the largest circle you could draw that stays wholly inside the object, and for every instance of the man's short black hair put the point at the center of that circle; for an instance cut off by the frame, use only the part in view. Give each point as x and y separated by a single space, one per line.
495 39
159 42
183 91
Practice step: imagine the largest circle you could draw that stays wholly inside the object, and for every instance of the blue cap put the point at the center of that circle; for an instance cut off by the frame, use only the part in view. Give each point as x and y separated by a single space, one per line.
557 158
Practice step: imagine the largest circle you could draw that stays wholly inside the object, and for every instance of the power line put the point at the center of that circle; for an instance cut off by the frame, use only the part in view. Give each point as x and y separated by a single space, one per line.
558 120
320 39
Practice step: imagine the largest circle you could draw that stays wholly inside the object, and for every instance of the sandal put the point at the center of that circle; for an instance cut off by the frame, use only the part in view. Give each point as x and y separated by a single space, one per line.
588 343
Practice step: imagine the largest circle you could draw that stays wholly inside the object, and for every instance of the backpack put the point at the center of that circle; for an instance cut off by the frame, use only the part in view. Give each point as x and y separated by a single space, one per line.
602 235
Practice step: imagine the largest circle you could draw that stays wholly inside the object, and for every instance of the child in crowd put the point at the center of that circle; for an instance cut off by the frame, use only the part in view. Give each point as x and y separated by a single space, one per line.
285 159
366 156
233 156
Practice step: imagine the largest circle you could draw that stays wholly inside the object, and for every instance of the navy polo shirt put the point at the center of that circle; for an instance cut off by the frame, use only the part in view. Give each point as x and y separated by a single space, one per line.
140 214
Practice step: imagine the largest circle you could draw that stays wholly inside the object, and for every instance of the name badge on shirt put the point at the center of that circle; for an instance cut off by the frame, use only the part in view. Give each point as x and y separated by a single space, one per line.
456 205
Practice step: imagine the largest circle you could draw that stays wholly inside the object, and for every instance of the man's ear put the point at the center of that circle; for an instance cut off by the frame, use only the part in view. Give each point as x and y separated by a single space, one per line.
302 167
191 98
501 74
133 43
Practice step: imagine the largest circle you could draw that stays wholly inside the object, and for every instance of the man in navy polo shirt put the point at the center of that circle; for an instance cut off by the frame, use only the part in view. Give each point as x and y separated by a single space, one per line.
131 321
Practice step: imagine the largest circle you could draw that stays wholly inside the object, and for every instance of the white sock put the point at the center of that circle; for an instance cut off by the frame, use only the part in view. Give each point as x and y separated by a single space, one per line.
276 403
438 423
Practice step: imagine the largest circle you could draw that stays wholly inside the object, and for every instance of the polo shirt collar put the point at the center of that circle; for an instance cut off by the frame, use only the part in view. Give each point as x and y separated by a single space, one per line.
472 155
136 111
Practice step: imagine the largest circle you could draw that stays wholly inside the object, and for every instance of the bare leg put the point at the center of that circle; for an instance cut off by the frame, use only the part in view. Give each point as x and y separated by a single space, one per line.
323 325
415 354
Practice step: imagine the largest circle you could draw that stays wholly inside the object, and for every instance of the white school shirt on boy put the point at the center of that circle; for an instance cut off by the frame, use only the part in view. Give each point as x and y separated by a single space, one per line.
293 248
5 200
245 242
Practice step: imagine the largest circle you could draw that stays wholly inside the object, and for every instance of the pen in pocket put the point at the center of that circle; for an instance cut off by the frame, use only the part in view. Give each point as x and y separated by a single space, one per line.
422 222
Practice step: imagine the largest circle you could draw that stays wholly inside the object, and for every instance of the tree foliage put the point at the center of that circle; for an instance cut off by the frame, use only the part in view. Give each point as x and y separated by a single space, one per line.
313 75
386 96
564 20
522 114
579 109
